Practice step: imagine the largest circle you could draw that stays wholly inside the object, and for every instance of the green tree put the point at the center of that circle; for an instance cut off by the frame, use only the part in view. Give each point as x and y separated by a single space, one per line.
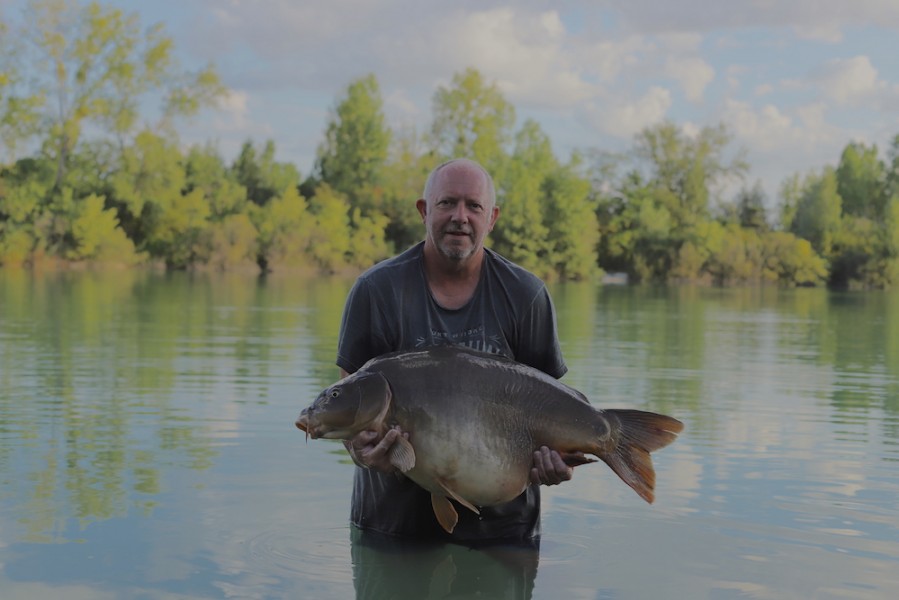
26 224
521 233
93 66
231 243
18 107
285 228
404 180
687 170
749 208
473 120
205 170
791 260
181 231
330 240
263 177
861 180
351 159
818 211
147 184
573 228
98 237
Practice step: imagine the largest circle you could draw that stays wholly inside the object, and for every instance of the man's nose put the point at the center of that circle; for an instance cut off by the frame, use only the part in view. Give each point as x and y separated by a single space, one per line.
460 213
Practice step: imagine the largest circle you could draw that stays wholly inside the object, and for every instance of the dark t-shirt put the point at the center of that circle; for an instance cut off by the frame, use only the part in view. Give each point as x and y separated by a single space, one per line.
391 308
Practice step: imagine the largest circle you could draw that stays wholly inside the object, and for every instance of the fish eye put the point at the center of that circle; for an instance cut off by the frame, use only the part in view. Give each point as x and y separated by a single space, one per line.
334 393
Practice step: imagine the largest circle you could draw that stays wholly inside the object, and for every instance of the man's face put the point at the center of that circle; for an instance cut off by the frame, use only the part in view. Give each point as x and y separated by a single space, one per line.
459 214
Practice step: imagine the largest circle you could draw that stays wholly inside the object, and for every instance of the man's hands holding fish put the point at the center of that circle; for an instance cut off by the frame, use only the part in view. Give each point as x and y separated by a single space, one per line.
370 452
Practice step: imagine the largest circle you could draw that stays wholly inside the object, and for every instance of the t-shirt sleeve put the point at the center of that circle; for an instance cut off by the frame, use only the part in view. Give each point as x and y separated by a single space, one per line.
539 346
355 345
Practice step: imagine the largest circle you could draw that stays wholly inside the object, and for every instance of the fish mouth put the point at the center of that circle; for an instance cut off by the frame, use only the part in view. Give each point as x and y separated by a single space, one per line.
303 425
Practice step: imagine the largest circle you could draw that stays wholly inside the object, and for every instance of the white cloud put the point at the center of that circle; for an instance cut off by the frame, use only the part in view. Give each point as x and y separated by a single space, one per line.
779 143
693 74
850 81
622 117
234 105
818 19
525 52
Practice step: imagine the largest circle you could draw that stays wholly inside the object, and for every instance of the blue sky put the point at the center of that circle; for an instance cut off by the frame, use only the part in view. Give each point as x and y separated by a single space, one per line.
793 80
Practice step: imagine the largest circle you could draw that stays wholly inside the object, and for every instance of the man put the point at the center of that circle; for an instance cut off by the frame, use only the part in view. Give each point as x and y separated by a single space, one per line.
448 289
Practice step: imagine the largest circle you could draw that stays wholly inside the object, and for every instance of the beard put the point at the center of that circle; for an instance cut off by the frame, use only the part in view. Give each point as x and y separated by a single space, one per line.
451 249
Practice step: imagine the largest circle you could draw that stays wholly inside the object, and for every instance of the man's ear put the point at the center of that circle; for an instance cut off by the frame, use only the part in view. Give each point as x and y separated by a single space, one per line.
493 217
422 206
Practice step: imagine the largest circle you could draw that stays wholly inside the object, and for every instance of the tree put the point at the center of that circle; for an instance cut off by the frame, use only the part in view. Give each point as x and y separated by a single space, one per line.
147 183
521 233
472 120
98 237
285 227
93 66
750 208
404 180
861 180
18 107
330 240
818 211
573 227
351 158
263 177
687 170
205 170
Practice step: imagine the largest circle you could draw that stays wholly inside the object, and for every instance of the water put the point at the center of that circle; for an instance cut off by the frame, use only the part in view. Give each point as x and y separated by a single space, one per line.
147 447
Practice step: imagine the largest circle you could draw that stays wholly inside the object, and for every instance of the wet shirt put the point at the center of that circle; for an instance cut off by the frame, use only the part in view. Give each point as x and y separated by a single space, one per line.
391 308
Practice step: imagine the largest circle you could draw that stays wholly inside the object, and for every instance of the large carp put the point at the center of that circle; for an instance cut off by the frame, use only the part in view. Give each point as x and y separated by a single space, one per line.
474 421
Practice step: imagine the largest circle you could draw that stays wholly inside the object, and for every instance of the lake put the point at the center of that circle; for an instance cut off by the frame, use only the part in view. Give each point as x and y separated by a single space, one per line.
148 447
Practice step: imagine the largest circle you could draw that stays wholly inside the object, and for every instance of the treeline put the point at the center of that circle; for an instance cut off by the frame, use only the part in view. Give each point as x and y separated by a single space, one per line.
99 183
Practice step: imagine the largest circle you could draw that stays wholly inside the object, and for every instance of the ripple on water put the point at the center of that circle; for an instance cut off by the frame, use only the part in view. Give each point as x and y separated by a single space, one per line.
317 556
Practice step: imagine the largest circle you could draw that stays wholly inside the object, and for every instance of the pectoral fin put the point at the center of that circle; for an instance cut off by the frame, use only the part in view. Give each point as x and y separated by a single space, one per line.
452 494
445 513
402 455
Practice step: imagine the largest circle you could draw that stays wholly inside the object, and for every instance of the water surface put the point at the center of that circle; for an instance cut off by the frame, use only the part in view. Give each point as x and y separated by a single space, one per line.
147 447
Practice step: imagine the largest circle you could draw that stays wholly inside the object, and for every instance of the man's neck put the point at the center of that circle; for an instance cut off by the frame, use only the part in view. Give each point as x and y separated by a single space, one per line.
452 283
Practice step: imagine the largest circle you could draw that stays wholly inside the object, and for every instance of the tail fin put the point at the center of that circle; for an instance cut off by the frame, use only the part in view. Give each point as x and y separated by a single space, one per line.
639 434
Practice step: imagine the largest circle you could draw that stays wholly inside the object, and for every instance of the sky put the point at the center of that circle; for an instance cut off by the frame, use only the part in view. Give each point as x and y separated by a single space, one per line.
794 81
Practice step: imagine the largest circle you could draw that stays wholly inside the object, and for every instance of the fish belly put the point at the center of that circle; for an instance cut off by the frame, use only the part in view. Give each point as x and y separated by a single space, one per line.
474 469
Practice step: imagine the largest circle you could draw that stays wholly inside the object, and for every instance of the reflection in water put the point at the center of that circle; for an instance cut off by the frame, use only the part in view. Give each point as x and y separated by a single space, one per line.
386 567
147 447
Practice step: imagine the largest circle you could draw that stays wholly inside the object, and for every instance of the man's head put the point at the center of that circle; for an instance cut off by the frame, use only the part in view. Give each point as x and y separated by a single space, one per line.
458 209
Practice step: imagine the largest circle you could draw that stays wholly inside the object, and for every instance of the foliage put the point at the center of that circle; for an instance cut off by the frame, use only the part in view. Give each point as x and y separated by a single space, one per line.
351 158
91 67
98 237
129 192
473 120
263 177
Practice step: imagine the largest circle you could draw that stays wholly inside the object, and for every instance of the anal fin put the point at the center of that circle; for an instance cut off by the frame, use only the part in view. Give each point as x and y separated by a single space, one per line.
445 512
452 494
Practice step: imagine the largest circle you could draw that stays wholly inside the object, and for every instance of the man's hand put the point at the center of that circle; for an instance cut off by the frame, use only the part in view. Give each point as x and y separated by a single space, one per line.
370 451
550 467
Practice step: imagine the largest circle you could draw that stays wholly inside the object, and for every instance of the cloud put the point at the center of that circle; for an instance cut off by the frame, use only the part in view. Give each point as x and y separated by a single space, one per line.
526 53
780 143
851 81
822 20
624 118
693 74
